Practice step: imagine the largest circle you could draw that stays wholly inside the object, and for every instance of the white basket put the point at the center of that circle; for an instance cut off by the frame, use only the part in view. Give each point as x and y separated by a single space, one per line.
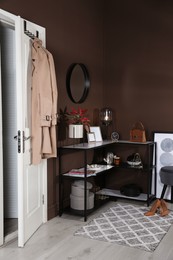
77 188
78 191
77 202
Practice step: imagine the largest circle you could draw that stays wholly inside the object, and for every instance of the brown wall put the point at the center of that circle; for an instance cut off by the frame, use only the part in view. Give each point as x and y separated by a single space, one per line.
127 48
138 63
74 32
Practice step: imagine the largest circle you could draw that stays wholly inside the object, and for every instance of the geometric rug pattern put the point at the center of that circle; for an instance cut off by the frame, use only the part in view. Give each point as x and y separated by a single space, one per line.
127 225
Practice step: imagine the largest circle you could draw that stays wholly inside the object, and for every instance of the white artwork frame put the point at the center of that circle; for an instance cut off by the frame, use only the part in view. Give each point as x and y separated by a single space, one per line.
97 131
164 157
91 137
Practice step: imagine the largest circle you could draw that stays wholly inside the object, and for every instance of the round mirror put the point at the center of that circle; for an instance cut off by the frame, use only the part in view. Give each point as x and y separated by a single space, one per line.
77 82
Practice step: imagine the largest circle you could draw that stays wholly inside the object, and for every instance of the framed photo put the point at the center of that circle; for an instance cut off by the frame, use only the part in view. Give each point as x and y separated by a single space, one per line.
91 137
164 157
97 132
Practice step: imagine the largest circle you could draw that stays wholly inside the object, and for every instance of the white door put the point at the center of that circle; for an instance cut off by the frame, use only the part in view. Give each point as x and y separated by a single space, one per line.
1 170
31 189
32 180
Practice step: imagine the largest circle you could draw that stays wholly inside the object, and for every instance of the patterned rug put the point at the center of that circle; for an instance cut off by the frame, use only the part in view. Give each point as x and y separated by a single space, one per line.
127 225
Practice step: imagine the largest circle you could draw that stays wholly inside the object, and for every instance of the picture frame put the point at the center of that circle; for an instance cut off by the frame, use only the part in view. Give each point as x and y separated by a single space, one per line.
91 137
163 157
97 132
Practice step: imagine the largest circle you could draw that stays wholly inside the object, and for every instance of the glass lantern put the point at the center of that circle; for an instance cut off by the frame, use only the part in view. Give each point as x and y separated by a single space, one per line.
106 116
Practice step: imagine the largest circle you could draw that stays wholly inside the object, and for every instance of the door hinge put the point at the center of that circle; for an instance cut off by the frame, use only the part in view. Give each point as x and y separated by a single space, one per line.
43 199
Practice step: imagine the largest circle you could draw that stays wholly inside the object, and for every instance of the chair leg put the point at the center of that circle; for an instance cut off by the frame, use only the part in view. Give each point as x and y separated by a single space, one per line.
171 194
163 191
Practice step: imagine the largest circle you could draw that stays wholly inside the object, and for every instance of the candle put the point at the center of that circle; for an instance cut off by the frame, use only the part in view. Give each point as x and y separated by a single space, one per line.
106 116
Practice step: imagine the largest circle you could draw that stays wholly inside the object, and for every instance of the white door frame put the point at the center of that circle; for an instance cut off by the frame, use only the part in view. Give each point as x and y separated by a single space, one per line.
1 169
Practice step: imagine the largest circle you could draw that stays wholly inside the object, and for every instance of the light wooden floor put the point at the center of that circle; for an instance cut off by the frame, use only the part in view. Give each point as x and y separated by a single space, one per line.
55 241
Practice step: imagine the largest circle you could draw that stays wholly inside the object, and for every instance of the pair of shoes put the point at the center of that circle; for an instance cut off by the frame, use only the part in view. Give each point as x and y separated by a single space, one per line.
163 208
154 208
158 205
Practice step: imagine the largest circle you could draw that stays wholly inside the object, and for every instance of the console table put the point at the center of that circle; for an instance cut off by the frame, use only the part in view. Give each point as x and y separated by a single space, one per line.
149 169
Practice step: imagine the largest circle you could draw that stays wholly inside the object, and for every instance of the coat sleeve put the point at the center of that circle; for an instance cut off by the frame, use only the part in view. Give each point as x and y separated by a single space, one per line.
54 88
45 91
49 135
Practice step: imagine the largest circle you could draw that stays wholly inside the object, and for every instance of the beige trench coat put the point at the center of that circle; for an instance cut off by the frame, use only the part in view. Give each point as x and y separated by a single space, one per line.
44 103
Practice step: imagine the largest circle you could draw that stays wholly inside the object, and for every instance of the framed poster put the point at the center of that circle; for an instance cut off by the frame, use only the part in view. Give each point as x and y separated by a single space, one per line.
164 157
96 130
91 137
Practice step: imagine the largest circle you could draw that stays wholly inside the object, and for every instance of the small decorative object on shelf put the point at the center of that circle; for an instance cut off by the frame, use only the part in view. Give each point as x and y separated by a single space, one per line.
117 160
134 160
109 158
97 133
137 133
91 137
106 118
77 120
131 190
75 131
115 136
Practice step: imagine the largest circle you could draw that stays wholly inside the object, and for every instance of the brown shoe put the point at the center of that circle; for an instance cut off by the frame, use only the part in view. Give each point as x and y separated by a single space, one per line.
163 209
154 208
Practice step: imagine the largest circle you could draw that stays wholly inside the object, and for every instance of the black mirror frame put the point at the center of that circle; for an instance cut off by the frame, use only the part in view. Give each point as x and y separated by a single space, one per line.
86 82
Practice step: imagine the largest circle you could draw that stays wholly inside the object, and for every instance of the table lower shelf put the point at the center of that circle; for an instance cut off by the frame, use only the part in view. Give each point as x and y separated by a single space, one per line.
116 193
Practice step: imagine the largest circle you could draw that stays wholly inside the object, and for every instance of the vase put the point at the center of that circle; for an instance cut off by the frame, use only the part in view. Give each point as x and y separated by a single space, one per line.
75 131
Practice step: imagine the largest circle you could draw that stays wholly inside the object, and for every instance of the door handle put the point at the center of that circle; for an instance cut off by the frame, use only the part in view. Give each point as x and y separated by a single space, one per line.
18 138
25 138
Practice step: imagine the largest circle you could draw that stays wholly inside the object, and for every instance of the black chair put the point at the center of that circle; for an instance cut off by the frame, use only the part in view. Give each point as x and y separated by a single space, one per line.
166 177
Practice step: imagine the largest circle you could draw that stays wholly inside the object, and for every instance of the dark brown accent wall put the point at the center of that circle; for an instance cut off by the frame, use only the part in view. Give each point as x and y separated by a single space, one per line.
127 47
138 64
